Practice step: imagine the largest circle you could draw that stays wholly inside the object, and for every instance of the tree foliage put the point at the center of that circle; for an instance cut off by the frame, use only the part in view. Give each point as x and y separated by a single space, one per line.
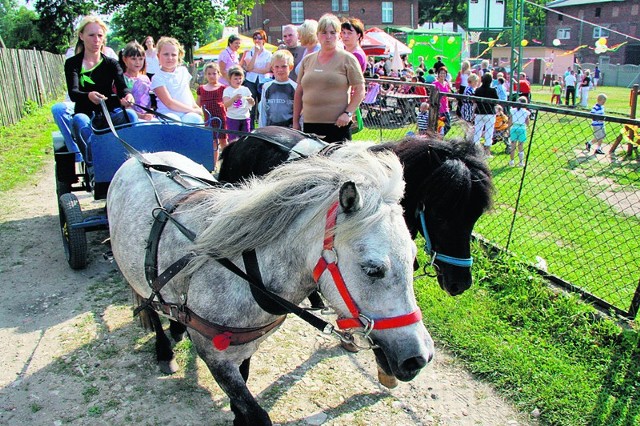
56 21
443 11
189 21
20 32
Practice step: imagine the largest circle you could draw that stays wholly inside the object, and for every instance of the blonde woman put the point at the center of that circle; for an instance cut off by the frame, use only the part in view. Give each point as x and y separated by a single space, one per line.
308 36
172 84
91 77
330 86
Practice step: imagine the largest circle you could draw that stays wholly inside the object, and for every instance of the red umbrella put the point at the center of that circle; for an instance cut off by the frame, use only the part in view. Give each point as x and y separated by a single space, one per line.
380 38
373 47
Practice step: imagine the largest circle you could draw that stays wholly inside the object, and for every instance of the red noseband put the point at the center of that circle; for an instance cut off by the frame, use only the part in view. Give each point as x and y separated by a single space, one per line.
329 260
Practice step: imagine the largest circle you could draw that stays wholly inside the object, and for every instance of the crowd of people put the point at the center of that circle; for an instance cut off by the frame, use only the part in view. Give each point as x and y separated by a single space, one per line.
314 82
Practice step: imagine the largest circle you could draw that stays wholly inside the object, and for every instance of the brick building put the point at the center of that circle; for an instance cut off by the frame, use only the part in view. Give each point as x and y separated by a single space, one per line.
274 14
605 15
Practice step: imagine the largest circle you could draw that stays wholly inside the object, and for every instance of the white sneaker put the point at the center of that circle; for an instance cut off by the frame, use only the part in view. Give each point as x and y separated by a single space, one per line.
521 164
511 163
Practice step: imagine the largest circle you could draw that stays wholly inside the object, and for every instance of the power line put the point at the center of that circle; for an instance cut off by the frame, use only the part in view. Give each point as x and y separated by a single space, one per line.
581 20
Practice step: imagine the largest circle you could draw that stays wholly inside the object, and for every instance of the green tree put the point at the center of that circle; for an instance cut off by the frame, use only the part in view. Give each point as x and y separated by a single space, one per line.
189 21
443 11
21 32
7 10
56 22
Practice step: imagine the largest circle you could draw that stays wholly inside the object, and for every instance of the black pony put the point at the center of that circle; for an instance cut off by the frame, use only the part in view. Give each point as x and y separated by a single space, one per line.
448 187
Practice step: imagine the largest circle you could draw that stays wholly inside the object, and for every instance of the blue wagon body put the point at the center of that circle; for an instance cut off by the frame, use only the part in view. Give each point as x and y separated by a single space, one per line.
104 156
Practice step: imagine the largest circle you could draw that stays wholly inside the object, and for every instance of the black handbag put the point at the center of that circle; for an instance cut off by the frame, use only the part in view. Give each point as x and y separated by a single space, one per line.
118 117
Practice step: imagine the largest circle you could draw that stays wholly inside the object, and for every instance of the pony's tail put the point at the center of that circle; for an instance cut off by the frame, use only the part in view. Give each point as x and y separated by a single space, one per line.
143 316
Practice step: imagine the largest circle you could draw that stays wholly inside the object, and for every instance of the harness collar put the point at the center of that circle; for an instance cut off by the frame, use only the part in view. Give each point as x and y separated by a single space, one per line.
455 261
329 260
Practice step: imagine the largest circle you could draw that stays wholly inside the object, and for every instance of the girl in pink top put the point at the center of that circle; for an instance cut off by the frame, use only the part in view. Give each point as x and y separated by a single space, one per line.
443 86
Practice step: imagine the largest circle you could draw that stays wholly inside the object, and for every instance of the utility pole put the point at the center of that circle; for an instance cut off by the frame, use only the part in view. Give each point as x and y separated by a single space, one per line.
517 35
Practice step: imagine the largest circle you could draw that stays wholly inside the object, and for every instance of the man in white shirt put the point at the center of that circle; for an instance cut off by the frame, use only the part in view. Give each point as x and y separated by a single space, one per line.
570 83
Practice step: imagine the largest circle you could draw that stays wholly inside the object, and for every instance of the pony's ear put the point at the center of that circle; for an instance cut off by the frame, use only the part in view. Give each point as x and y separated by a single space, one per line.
350 197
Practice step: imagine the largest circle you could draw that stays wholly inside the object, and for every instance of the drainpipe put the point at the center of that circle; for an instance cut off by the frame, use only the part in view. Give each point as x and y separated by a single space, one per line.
412 26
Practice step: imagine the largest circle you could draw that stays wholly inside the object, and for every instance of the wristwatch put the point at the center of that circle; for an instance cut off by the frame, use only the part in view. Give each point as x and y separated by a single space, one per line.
349 114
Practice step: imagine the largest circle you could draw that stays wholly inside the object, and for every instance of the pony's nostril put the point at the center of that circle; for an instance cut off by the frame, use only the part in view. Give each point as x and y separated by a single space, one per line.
375 270
415 363
430 358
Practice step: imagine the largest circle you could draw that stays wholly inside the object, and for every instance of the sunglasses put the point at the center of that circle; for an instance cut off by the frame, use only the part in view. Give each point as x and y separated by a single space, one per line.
257 37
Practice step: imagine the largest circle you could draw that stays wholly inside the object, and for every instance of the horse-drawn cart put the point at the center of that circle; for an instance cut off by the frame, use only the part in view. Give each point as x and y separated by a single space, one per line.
104 156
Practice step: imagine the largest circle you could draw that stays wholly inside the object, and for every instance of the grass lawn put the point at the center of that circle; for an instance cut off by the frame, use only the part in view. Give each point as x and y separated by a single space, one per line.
617 98
541 348
24 147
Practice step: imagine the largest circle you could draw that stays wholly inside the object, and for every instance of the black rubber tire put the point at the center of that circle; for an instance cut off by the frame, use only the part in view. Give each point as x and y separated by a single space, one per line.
73 240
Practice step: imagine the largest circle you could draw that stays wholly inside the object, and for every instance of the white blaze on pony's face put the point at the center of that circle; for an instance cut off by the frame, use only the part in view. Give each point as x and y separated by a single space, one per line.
380 281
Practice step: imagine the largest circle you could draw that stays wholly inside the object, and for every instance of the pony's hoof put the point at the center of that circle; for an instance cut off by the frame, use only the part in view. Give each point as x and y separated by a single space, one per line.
177 337
386 380
168 367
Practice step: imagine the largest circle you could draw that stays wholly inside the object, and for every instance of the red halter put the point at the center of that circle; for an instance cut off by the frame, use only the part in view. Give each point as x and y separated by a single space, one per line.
329 260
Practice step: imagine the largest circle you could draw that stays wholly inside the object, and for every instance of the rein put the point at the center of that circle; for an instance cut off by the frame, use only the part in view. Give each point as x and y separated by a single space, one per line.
329 261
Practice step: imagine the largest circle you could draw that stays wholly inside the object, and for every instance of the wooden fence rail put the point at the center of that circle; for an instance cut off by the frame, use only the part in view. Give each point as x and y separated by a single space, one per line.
28 75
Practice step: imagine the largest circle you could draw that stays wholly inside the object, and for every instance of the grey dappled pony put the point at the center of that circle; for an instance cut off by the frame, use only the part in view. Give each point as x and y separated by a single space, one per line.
285 219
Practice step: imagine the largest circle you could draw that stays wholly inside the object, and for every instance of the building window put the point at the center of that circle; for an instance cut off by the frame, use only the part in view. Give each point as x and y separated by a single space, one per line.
560 18
387 12
598 10
600 32
335 5
563 33
634 9
345 5
297 12
615 11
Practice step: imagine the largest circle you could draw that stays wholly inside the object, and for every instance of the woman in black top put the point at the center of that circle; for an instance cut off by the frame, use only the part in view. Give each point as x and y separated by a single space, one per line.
485 114
585 86
91 76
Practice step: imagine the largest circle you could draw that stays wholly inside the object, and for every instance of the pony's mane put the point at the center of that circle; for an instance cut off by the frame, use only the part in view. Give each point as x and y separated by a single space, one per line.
257 212
452 173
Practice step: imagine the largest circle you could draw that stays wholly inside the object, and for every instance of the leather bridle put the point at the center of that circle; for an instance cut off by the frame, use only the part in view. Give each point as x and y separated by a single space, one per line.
329 261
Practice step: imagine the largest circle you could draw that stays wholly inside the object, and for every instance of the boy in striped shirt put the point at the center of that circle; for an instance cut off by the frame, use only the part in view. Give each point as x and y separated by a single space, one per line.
597 125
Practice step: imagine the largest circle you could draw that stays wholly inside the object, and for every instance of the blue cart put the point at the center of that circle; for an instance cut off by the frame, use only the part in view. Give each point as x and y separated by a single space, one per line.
103 158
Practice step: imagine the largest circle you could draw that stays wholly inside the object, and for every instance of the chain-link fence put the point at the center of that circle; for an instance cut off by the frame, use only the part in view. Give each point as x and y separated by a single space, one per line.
570 212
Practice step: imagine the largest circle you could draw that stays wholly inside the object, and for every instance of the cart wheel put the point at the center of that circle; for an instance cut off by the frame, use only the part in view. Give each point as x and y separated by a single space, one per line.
73 240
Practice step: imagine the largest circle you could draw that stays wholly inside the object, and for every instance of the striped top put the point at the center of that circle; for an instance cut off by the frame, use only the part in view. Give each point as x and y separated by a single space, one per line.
597 109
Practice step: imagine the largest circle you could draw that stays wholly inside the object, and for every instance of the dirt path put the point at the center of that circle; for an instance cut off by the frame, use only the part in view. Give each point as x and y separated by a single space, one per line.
72 354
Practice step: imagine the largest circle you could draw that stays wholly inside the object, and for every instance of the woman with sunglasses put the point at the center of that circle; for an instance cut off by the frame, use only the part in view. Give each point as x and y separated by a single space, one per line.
257 63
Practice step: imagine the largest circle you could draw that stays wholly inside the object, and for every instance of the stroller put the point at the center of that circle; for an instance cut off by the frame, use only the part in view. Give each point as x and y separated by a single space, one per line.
501 132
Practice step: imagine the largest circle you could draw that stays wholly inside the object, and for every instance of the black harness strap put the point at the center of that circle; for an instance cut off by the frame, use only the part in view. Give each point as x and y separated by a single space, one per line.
253 270
318 323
